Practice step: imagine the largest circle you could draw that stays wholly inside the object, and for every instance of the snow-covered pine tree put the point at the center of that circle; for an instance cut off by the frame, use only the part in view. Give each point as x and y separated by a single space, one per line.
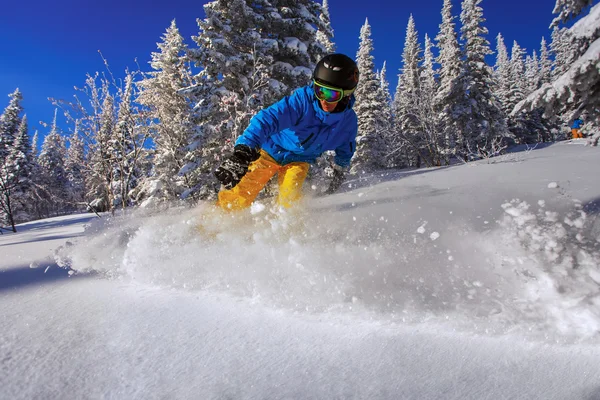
53 175
252 53
486 123
451 93
532 73
577 90
127 146
299 51
99 179
37 193
502 74
568 9
20 163
75 168
35 145
434 141
386 119
562 47
209 140
517 89
256 52
545 63
171 118
325 32
234 57
370 144
530 127
10 121
122 147
408 141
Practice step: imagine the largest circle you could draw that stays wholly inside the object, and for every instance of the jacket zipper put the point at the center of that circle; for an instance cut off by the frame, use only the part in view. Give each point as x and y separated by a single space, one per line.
307 139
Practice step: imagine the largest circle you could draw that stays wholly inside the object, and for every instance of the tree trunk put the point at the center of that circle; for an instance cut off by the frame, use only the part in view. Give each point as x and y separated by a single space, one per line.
11 220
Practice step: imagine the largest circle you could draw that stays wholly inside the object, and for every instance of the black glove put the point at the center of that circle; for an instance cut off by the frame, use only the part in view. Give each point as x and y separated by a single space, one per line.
233 169
336 182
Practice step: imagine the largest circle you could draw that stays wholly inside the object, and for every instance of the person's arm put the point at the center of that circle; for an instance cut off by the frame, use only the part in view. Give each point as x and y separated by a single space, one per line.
285 113
343 155
345 151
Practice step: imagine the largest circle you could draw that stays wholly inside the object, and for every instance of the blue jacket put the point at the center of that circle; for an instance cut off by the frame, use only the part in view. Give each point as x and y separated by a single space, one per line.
577 124
297 129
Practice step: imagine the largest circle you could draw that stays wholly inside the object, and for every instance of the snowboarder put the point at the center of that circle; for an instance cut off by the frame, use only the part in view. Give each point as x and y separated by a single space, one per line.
289 135
576 129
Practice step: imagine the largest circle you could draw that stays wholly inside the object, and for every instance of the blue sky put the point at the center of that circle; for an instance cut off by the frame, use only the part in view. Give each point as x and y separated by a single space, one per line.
49 47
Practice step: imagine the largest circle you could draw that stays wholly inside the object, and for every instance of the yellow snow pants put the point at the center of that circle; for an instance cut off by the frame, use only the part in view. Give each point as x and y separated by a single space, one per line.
290 179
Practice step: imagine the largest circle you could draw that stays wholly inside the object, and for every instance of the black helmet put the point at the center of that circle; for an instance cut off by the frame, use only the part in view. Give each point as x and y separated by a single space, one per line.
337 70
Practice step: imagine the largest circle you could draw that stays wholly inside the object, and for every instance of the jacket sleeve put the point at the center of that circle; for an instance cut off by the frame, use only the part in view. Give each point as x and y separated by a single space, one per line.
344 152
284 114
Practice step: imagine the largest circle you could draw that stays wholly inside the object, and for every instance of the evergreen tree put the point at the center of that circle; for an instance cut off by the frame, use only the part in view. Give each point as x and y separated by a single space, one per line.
325 33
451 93
370 146
575 90
20 162
252 53
386 119
502 74
22 154
35 145
531 127
408 132
10 122
37 195
234 54
532 73
256 52
125 148
562 47
434 142
171 117
545 63
75 169
121 146
486 122
99 179
569 9
517 89
53 175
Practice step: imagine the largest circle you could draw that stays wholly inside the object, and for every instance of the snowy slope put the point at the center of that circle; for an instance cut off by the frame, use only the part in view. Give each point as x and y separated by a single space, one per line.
477 281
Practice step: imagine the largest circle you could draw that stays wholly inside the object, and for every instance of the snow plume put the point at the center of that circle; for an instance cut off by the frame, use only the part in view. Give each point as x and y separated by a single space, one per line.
560 264
542 278
258 254
299 261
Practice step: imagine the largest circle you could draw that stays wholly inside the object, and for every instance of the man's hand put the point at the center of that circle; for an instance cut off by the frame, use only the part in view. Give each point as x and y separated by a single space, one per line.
233 168
338 178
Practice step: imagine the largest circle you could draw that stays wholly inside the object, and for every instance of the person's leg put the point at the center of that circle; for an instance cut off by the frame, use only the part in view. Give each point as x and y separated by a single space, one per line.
244 193
291 178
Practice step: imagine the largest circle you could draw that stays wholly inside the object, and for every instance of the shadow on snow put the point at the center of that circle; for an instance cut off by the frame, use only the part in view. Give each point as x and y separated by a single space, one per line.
51 223
23 276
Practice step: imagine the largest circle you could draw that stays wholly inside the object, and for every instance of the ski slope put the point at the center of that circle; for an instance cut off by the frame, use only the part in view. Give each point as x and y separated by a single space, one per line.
476 281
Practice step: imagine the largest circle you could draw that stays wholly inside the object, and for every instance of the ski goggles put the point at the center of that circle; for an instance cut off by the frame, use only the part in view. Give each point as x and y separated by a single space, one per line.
330 94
